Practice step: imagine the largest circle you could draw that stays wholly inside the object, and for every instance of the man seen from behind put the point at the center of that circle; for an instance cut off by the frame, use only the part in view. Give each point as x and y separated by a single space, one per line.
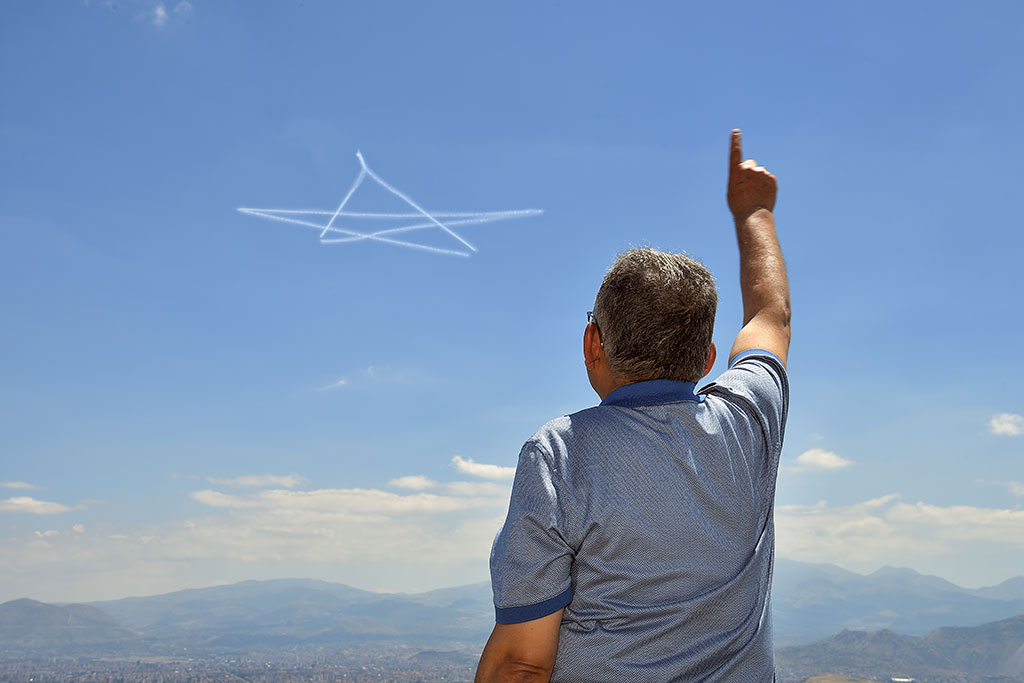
639 541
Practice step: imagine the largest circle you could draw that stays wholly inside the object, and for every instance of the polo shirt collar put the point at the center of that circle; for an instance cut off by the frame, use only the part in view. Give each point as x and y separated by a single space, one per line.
652 392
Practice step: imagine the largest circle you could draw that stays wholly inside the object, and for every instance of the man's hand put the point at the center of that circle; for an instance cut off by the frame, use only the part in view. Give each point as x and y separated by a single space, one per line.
751 187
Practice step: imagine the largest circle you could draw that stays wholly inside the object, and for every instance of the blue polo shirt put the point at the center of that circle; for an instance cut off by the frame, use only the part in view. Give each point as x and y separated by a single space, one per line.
649 519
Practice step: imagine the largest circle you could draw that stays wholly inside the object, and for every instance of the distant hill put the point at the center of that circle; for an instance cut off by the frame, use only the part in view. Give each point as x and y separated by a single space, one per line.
231 605
27 621
990 652
289 611
812 600
1001 642
1011 589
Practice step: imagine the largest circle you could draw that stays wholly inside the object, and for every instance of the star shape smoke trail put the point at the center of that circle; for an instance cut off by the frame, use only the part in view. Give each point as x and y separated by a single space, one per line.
332 232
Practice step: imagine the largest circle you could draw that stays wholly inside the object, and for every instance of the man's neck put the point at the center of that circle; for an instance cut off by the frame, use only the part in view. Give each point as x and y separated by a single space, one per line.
611 383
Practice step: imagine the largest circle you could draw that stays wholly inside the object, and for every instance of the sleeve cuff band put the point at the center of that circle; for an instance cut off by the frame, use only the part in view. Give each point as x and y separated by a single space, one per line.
515 615
753 352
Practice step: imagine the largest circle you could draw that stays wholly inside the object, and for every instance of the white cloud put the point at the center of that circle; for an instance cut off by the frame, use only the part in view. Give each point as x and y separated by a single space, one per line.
288 481
479 488
18 485
873 503
50 533
366 537
477 469
378 374
886 531
407 552
366 504
818 459
416 539
962 522
158 15
32 506
416 482
1006 424
221 500
347 525
455 488
1014 487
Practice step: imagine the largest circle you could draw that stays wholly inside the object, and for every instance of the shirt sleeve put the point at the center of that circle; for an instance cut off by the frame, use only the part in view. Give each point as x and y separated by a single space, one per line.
756 381
530 559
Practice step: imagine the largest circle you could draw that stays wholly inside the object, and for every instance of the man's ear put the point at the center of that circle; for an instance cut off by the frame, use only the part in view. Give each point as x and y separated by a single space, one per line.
592 349
712 354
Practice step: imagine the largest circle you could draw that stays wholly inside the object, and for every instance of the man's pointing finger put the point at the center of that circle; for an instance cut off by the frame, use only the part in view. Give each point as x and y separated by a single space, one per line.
735 150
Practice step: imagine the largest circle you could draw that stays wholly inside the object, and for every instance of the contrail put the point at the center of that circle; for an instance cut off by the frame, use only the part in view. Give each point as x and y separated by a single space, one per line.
516 213
358 235
410 202
351 190
414 226
350 235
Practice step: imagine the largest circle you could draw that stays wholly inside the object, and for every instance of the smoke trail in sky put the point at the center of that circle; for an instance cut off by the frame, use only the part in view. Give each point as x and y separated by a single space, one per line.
433 219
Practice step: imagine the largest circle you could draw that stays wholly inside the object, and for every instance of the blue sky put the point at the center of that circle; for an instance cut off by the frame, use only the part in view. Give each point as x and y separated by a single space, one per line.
190 395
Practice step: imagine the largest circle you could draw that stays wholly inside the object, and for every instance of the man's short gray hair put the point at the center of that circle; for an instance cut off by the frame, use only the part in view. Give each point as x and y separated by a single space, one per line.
656 314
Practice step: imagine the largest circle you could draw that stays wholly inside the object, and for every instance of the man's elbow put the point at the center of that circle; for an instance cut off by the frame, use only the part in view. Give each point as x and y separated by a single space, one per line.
520 671
785 318
780 306
776 316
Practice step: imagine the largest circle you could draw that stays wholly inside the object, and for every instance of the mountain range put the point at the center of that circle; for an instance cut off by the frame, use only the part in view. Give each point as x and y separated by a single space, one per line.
292 611
810 603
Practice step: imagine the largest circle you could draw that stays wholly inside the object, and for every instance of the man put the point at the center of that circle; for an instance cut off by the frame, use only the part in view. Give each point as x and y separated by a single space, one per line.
639 540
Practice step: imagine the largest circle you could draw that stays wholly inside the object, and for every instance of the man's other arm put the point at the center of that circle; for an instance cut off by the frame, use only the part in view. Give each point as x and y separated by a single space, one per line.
763 282
523 652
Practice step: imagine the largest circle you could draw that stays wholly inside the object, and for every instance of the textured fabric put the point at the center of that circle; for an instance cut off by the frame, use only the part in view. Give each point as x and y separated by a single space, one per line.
649 519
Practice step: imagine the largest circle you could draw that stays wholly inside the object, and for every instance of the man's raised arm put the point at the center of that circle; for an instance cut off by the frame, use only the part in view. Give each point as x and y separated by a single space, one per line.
763 280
